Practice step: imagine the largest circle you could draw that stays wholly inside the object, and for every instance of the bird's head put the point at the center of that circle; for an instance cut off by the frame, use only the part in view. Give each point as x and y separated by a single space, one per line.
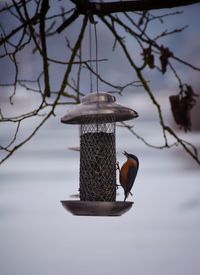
130 156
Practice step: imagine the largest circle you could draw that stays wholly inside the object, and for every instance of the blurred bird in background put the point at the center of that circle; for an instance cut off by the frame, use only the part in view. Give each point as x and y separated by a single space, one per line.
128 173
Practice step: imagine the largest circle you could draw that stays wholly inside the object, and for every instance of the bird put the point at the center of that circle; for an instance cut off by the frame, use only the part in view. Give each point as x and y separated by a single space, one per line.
128 173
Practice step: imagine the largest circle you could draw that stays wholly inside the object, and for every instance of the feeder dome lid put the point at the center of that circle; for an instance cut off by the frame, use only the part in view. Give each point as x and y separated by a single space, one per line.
98 108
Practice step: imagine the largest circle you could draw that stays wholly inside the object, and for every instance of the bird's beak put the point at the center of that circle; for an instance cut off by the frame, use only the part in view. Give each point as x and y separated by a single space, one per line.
125 153
136 114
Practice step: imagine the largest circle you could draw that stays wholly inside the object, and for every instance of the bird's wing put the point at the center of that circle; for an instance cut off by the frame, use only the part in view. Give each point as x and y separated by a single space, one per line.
132 172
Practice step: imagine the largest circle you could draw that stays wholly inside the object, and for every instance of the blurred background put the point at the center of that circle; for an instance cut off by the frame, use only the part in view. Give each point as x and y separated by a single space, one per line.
159 235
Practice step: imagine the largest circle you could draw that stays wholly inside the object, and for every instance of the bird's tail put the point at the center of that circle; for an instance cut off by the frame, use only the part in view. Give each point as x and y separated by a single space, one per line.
125 195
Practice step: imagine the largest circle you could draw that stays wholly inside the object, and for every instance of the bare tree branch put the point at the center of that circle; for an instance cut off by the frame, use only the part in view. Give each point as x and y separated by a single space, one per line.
53 106
33 29
44 9
105 8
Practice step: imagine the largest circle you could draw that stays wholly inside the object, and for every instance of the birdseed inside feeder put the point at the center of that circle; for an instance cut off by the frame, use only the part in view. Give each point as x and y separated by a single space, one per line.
97 115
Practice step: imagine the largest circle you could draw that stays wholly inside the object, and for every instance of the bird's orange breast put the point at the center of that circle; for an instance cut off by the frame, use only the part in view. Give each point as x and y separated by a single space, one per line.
124 171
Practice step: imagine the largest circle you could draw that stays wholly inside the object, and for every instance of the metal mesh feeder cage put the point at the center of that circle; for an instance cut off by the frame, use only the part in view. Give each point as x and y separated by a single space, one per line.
97 115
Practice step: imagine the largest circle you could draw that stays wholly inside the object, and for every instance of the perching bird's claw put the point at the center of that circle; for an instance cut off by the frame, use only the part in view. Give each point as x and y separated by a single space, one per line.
117 166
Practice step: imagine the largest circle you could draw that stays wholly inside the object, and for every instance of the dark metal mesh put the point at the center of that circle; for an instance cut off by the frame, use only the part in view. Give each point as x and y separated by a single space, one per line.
97 162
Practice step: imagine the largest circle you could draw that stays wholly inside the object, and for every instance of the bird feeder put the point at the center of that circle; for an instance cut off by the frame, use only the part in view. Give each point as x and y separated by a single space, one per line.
97 115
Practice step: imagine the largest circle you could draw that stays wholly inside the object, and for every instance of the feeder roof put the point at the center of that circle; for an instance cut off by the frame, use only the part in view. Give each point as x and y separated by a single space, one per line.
98 108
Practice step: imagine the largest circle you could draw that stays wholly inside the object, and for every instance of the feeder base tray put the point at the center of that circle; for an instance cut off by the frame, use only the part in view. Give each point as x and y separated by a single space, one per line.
97 208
